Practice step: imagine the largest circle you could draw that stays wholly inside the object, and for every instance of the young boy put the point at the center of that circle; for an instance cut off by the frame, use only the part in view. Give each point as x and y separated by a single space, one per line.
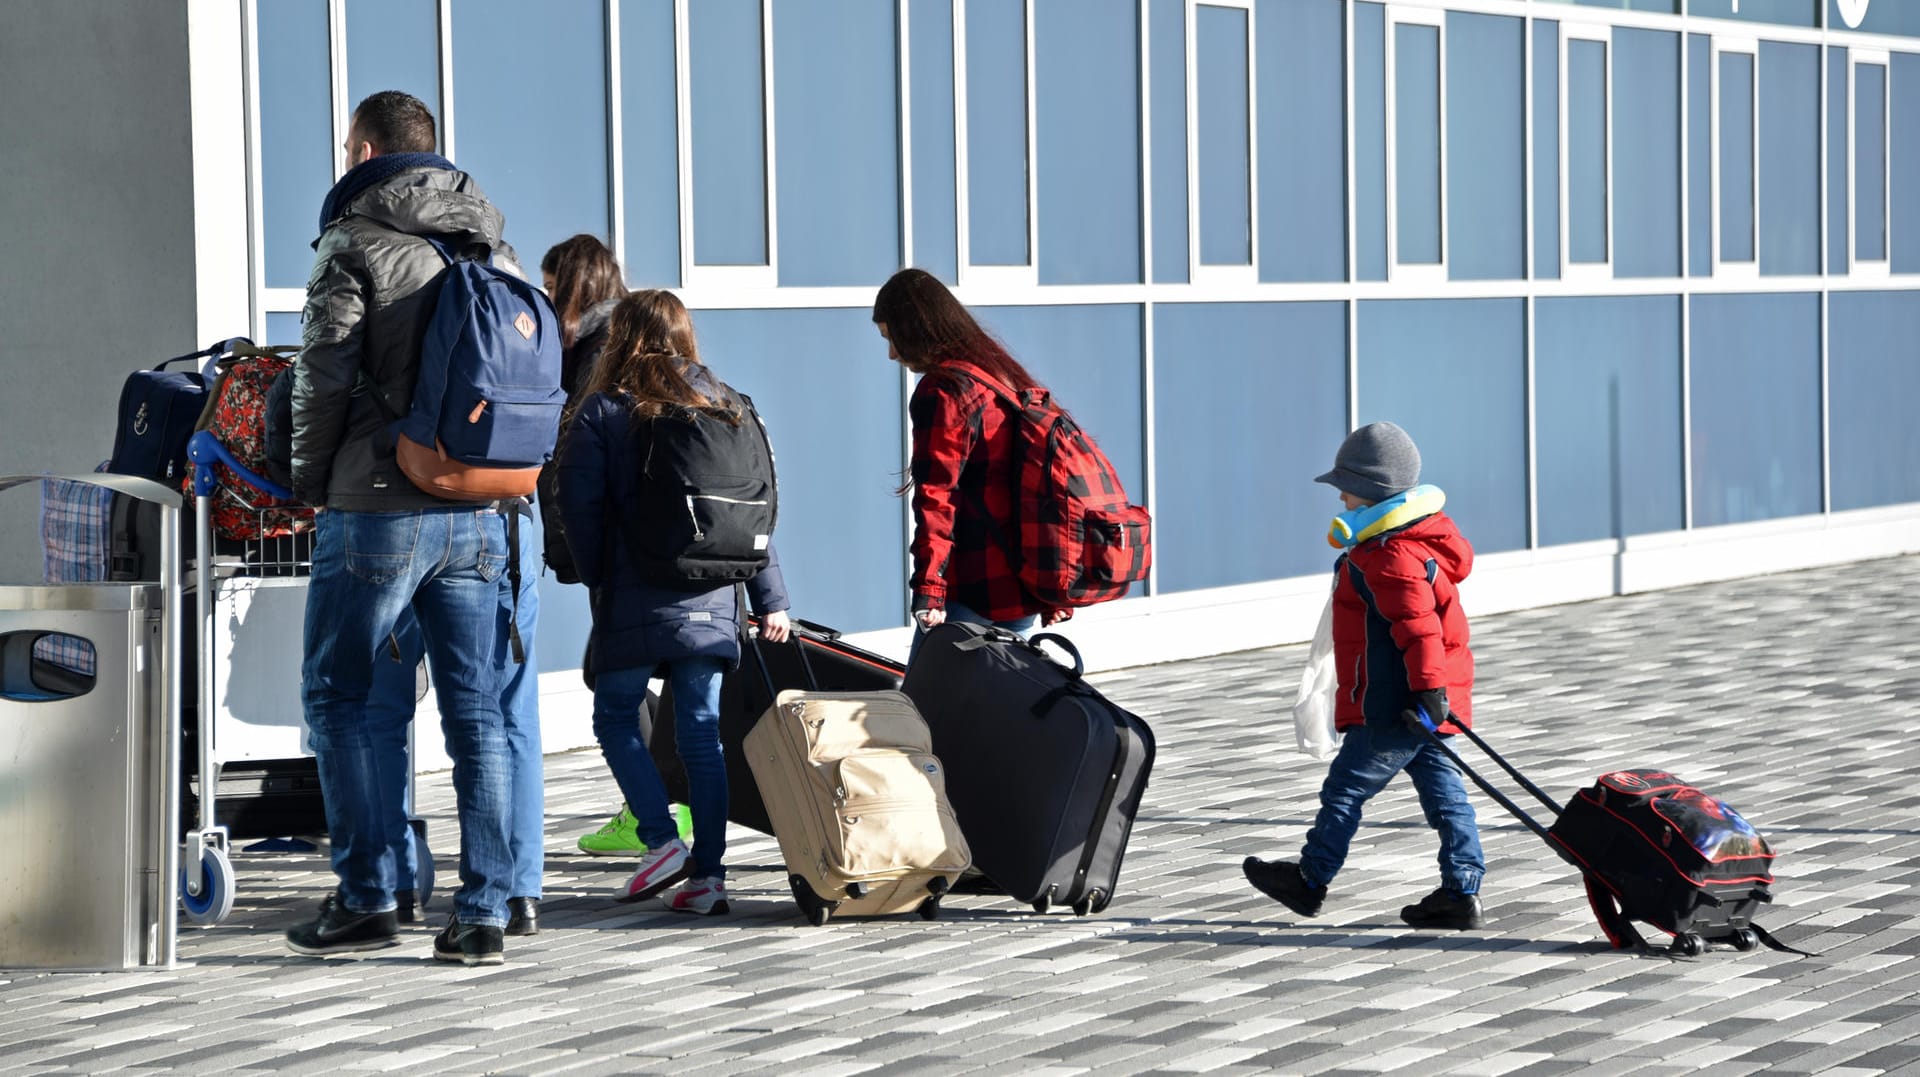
1399 641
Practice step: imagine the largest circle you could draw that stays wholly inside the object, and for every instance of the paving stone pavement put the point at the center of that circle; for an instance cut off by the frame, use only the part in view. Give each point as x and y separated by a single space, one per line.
1792 696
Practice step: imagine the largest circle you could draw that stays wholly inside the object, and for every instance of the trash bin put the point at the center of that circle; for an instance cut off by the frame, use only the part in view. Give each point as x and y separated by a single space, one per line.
89 771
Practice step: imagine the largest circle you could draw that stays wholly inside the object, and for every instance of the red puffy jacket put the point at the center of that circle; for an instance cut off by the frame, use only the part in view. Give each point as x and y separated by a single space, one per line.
1398 627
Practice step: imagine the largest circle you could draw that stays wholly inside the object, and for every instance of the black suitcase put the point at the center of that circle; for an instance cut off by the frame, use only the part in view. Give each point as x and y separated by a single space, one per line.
1651 848
1044 772
817 660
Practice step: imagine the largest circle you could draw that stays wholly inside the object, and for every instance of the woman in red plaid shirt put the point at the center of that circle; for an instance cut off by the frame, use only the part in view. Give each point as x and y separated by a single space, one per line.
963 472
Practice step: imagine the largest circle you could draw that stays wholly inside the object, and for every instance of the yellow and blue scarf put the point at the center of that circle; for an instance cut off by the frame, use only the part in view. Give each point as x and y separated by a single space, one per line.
1355 526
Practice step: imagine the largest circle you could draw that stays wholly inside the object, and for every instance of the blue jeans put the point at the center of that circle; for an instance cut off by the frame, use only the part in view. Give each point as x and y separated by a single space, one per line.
1368 759
957 612
618 696
393 688
368 568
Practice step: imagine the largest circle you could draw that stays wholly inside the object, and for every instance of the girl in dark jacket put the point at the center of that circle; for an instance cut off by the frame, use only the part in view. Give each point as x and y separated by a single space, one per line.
650 363
963 467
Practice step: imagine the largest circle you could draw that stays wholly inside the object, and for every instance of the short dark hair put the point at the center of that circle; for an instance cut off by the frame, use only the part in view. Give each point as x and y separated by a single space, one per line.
395 122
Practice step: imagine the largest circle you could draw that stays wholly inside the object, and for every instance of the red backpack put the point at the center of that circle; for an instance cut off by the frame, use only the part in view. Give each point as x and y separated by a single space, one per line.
246 505
1080 541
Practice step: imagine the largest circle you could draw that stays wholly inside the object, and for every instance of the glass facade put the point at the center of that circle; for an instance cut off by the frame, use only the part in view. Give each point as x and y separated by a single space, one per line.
1622 267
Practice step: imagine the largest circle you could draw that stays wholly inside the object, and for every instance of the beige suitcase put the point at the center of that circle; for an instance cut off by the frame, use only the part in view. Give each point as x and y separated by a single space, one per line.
858 803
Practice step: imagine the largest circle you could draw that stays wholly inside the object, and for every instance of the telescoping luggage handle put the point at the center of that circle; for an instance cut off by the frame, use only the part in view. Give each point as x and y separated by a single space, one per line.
750 638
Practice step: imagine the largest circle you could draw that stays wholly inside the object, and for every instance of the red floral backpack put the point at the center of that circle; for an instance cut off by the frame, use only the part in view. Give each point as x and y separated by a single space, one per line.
246 505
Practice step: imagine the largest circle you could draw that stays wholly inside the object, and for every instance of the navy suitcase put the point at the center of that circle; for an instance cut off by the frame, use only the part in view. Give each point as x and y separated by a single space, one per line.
158 411
1045 773
817 660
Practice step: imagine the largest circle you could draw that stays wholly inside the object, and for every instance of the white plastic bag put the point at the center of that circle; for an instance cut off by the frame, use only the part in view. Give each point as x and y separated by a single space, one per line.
1313 707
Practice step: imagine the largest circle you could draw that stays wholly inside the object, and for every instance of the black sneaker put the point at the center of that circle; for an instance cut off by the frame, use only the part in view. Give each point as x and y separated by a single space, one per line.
523 916
1281 880
407 909
339 930
1445 909
470 944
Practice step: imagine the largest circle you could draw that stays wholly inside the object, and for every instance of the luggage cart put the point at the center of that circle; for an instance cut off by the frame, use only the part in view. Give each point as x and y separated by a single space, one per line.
247 639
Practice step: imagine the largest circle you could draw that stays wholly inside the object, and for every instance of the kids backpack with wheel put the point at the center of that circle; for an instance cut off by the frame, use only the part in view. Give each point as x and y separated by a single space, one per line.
708 499
487 401
1077 540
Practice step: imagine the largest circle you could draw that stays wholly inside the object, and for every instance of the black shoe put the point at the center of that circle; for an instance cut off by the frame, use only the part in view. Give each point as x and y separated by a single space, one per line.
523 916
408 911
1281 880
470 944
1445 909
339 930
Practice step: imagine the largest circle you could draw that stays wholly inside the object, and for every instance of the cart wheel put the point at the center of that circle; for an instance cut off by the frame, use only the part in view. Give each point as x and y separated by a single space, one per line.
422 864
1745 939
1688 944
212 875
929 909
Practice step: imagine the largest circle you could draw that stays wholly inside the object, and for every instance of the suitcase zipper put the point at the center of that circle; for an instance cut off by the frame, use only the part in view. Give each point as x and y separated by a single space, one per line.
1118 767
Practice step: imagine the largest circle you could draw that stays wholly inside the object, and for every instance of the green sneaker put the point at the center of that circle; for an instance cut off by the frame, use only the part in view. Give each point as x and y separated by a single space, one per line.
621 835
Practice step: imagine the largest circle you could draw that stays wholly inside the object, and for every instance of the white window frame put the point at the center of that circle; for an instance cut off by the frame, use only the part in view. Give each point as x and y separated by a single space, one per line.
1398 272
1856 266
1750 47
1585 273
991 277
694 275
1211 274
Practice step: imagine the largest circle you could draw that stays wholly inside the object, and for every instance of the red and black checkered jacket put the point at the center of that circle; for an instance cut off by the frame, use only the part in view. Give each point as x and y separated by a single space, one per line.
965 464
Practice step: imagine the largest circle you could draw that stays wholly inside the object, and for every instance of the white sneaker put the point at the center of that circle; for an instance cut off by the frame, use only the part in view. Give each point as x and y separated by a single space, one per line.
702 897
659 869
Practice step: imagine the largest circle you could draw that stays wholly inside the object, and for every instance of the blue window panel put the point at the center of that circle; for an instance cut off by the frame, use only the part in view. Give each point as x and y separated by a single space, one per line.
1756 407
1167 90
836 101
727 70
1586 151
1546 150
1225 156
1699 155
1370 140
1093 359
566 620
1667 7
282 328
1238 503
1838 165
1646 153
1789 158
541 157
1452 373
1872 383
936 244
649 143
842 534
1416 143
1735 165
1870 162
1903 114
997 132
394 45
1303 141
1607 395
1486 170
1785 12
297 151
1087 123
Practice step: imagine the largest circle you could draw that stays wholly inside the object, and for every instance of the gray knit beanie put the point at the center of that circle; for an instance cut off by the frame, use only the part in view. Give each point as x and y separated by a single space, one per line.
1376 462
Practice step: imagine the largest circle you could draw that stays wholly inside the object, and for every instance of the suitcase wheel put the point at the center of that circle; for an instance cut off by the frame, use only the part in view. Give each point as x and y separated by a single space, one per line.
1045 901
1094 901
938 886
816 909
929 909
1688 944
1745 939
856 891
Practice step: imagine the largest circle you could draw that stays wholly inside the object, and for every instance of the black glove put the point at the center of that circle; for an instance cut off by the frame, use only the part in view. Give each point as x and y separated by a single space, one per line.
1434 700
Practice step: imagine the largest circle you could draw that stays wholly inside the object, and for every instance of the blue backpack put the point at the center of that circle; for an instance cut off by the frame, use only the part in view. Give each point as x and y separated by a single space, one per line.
487 403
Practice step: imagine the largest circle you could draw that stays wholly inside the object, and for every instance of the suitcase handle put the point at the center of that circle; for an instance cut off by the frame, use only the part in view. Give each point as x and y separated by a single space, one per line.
1428 726
1065 644
212 352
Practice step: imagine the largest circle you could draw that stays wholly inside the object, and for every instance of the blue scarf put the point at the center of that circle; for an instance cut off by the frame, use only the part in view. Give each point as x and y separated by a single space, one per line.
369 172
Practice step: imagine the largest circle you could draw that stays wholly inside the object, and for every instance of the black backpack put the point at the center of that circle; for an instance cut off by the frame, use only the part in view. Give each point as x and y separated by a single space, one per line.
707 498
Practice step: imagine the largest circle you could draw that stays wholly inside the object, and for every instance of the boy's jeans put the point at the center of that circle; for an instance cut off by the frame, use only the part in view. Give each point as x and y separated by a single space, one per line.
367 569
1368 759
618 696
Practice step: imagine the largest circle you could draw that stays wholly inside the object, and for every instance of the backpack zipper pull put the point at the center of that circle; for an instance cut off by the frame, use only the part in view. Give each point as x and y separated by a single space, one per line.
474 415
694 518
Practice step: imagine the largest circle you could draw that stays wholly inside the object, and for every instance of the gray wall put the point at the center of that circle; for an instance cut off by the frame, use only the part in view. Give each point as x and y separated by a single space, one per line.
96 230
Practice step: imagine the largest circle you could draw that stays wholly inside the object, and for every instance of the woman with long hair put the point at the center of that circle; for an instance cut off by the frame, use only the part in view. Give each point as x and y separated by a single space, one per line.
584 281
651 364
963 468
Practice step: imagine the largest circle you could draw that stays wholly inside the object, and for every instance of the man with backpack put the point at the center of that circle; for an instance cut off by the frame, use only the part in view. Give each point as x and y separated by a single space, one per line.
376 325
